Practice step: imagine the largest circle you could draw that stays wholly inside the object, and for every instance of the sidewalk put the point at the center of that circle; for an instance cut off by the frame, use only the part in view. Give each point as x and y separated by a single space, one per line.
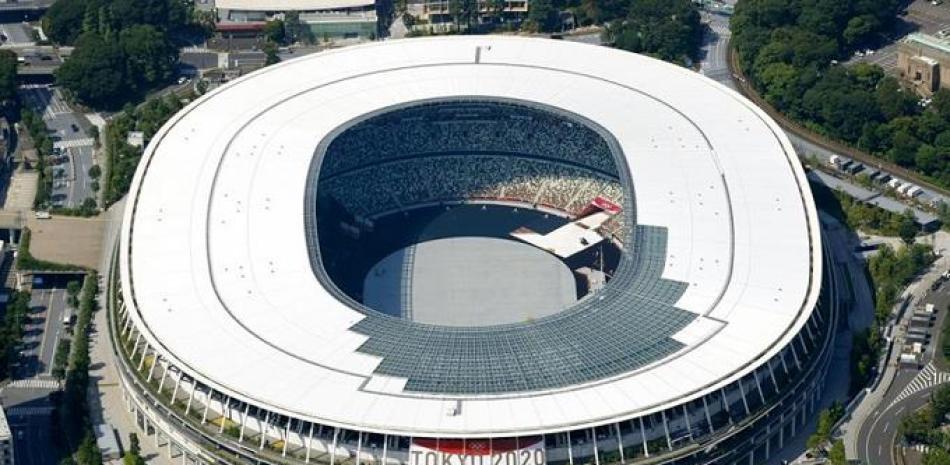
105 392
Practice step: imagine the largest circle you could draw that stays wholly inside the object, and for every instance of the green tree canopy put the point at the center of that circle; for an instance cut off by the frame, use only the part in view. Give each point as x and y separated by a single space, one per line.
667 29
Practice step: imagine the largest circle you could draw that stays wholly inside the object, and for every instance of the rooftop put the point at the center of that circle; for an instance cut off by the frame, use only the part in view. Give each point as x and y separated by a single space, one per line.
725 235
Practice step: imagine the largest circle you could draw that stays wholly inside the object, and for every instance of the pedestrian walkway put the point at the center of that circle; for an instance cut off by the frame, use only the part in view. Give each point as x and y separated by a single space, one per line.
35 383
29 411
926 379
74 143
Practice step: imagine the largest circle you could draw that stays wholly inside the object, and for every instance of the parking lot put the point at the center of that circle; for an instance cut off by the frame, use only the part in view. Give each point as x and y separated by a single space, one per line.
16 34
71 182
920 16
42 332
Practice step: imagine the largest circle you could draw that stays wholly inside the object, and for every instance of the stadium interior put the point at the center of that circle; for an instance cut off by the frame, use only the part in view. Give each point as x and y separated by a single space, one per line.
396 186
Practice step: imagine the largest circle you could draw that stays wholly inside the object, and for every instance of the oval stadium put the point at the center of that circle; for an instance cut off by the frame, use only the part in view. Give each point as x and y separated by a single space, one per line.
472 251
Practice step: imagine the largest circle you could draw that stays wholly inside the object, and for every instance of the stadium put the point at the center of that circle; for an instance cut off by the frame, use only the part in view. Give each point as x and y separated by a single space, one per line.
471 251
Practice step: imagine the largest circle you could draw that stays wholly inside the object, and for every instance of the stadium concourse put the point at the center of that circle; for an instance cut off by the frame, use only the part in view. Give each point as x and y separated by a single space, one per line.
621 263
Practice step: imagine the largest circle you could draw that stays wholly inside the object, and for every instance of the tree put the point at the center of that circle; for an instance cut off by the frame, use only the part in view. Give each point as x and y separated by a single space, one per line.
936 456
88 207
274 31
270 54
940 401
95 171
837 455
72 292
907 228
60 359
95 72
8 69
542 16
667 29
150 57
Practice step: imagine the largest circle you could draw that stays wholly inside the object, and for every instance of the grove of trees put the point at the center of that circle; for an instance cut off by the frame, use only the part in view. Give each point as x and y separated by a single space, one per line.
124 48
789 48
11 333
923 426
72 406
124 158
667 29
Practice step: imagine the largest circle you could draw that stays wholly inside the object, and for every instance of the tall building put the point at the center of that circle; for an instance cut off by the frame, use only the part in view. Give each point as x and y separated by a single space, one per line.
326 19
923 60
6 441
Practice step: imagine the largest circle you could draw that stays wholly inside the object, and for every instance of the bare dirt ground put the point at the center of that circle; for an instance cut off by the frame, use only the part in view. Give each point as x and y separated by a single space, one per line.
66 239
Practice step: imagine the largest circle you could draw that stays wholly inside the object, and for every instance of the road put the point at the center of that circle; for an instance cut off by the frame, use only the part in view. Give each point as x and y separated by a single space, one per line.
71 183
714 53
909 391
106 402
873 433
42 333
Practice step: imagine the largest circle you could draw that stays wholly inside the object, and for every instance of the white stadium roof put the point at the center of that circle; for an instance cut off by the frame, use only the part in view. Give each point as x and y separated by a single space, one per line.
215 247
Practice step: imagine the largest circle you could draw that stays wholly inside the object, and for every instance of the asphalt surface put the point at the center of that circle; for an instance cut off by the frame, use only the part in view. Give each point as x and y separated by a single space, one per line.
42 334
714 53
904 396
16 34
68 130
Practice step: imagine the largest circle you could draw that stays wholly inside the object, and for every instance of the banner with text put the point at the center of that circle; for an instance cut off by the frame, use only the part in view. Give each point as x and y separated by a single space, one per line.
501 451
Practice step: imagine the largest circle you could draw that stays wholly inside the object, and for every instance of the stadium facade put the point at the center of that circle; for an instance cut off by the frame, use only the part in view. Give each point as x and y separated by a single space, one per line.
238 342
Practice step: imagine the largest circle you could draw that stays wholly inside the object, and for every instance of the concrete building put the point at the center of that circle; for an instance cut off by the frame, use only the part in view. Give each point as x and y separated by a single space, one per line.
6 441
709 344
924 61
326 19
437 15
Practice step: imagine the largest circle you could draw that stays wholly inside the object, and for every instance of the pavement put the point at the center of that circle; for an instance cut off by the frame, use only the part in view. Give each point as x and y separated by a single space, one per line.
714 62
17 34
42 333
903 388
862 428
69 134
106 403
67 239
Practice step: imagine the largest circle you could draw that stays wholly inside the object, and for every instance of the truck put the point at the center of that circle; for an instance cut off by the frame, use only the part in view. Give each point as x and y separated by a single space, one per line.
909 359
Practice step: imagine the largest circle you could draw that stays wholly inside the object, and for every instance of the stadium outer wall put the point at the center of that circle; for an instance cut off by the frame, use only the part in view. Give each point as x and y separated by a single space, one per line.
744 423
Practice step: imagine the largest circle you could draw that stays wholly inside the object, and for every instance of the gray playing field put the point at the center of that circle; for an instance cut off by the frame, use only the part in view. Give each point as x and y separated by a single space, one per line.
470 281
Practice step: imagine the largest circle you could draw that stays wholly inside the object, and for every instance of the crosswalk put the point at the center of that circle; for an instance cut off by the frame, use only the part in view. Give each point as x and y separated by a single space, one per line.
29 411
74 143
35 383
925 379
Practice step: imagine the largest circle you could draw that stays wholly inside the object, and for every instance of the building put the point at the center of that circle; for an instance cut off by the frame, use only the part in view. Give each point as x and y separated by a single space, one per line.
239 337
326 19
924 61
6 441
106 442
437 14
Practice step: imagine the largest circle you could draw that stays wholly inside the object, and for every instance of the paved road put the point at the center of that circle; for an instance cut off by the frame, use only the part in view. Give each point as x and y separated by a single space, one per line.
715 50
68 129
42 332
909 391
17 34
